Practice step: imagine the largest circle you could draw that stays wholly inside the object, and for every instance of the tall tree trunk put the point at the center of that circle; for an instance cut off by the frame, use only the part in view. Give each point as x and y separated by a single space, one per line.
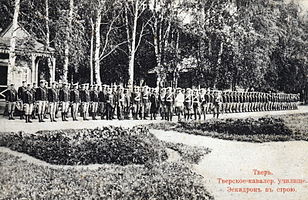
91 51
12 54
97 74
66 51
218 62
133 46
48 39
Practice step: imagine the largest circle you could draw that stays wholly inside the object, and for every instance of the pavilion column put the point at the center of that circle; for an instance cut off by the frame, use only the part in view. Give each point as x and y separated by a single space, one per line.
36 72
33 68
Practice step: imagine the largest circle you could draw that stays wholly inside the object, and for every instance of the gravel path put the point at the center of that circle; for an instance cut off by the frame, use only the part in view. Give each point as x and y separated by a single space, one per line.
236 160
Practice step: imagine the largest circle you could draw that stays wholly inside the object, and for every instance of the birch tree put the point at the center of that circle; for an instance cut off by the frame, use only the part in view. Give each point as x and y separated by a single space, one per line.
12 54
69 30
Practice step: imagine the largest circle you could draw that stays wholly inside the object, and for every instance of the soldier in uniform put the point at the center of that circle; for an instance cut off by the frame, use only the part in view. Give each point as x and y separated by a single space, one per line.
41 99
203 102
75 100
85 101
196 104
127 103
162 104
21 92
28 103
11 96
120 100
110 104
154 99
145 103
169 101
102 101
64 98
187 104
34 110
94 101
179 103
217 102
53 99
136 101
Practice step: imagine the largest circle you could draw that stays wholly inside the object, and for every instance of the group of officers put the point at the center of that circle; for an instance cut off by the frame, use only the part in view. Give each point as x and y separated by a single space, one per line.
110 102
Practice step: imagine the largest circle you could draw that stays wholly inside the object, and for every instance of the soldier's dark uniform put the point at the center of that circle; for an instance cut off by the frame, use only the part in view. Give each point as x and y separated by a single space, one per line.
196 104
127 104
187 104
136 101
154 99
53 99
11 96
21 92
102 101
169 101
41 98
75 100
94 102
85 102
110 104
28 103
64 98
120 100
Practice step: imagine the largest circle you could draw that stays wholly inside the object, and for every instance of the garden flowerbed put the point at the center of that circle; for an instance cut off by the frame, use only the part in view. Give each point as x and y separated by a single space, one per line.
88 146
265 129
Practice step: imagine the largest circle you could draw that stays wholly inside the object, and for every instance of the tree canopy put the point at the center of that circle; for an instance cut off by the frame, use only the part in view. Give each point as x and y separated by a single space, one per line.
221 44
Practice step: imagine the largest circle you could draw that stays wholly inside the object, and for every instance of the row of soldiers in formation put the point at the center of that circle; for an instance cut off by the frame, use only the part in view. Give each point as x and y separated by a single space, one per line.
111 102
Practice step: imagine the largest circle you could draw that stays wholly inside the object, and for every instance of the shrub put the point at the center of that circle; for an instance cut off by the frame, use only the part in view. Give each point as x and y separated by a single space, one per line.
89 146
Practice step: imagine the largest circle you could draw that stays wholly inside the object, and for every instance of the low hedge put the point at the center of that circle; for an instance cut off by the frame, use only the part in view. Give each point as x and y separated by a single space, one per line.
264 129
89 146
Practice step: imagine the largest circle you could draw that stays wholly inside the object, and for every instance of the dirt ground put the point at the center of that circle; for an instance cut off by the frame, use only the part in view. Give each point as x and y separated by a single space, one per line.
237 160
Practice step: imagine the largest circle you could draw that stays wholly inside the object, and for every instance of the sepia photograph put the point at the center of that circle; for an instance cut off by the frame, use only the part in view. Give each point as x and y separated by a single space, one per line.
154 99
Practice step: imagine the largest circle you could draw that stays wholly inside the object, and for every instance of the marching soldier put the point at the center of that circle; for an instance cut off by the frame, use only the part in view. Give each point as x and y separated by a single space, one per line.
41 99
75 100
11 96
28 103
154 99
169 101
21 92
94 101
64 97
53 99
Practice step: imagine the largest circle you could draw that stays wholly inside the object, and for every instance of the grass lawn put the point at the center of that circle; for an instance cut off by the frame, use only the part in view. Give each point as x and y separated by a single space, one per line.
136 167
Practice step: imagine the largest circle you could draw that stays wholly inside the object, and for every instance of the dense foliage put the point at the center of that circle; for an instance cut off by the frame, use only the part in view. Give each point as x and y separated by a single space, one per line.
259 44
88 146
22 180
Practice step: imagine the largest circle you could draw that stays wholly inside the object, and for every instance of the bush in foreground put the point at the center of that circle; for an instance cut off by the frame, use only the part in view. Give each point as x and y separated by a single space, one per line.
89 146
22 180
